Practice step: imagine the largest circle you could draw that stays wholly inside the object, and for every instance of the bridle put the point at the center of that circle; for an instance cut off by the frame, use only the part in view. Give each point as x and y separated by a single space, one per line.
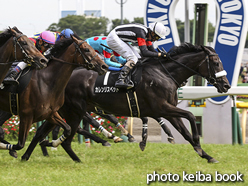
88 64
211 80
28 59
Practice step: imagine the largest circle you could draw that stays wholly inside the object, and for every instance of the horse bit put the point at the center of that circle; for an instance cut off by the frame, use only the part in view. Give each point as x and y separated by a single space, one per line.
212 80
87 61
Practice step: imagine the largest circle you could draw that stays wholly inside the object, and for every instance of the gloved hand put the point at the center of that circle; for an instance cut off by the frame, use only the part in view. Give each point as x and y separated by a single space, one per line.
163 54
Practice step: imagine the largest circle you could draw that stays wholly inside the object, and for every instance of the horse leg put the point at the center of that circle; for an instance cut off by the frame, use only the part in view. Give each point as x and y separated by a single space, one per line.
41 133
57 120
24 127
114 120
89 118
180 127
88 135
3 117
166 130
142 144
86 127
55 134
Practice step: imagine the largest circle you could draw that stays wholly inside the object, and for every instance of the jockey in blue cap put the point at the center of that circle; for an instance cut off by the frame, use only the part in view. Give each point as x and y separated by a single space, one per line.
66 33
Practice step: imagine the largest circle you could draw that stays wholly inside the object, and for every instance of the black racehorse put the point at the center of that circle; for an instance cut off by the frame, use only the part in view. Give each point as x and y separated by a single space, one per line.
156 93
44 94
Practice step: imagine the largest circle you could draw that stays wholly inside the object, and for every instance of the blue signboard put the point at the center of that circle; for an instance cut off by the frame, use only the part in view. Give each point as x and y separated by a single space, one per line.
163 11
230 34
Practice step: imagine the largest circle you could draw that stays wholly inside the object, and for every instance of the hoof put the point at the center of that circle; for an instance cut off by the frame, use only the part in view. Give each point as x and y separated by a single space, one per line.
13 153
24 158
171 140
106 144
117 139
213 161
131 139
142 145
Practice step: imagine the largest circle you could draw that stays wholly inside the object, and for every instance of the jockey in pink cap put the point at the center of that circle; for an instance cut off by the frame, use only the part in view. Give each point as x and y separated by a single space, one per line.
43 42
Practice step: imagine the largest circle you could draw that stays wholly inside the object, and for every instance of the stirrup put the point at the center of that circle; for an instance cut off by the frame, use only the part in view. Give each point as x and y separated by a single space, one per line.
10 81
121 84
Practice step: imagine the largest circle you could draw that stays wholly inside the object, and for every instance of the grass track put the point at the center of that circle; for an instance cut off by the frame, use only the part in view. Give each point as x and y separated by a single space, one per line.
123 164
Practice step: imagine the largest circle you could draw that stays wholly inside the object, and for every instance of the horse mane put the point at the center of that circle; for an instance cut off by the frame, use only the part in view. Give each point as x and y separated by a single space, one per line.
6 34
184 48
61 45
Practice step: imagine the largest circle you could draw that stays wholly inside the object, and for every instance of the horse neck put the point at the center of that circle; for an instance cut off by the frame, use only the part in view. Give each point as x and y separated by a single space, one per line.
57 74
192 62
6 51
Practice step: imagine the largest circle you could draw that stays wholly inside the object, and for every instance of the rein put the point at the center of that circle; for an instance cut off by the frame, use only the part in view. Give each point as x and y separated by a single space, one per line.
88 64
28 59
211 80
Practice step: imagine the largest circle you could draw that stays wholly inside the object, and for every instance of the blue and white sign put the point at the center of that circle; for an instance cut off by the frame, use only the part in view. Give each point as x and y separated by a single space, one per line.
230 33
229 39
163 11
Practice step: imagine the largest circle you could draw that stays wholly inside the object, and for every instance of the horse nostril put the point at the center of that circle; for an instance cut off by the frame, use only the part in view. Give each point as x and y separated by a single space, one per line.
104 67
43 60
227 86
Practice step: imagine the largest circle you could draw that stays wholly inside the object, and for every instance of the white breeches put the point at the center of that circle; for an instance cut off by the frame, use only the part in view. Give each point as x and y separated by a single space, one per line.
122 48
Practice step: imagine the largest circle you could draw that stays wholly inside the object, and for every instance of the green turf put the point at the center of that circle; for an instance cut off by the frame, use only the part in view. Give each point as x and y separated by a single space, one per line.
122 164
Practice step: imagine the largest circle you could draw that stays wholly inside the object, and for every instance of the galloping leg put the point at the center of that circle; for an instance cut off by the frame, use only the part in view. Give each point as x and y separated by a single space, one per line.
88 117
41 133
179 126
3 117
88 135
166 130
142 144
114 120
57 120
86 127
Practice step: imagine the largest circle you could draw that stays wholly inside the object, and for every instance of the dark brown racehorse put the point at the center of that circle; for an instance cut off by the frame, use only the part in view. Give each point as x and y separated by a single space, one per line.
156 93
14 46
44 94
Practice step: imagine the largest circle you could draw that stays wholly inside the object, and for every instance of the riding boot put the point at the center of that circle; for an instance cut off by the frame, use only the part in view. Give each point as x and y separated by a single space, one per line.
11 78
122 79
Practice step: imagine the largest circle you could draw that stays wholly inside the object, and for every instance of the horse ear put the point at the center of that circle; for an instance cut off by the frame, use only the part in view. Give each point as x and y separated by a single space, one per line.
74 39
13 31
205 49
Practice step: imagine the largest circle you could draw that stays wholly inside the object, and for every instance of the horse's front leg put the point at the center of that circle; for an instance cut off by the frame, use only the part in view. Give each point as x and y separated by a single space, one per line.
114 120
4 116
142 144
95 124
41 133
24 127
166 130
180 127
57 120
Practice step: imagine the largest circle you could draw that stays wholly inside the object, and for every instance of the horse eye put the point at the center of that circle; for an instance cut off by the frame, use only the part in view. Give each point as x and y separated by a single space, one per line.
86 50
24 43
217 64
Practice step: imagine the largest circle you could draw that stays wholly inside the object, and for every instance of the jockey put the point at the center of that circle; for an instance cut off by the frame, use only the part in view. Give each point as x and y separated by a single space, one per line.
118 40
43 42
99 44
66 33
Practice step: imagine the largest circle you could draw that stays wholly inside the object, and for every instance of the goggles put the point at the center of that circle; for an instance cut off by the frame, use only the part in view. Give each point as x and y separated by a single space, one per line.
47 45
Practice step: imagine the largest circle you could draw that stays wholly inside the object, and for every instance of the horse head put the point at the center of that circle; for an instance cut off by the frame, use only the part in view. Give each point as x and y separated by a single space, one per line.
90 57
25 50
212 69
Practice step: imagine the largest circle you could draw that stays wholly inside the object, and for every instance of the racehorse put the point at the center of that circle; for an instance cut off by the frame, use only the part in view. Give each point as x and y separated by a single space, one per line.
44 94
156 93
15 46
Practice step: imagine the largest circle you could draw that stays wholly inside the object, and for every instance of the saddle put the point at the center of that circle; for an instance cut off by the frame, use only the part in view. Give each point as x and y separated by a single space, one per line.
24 79
105 84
